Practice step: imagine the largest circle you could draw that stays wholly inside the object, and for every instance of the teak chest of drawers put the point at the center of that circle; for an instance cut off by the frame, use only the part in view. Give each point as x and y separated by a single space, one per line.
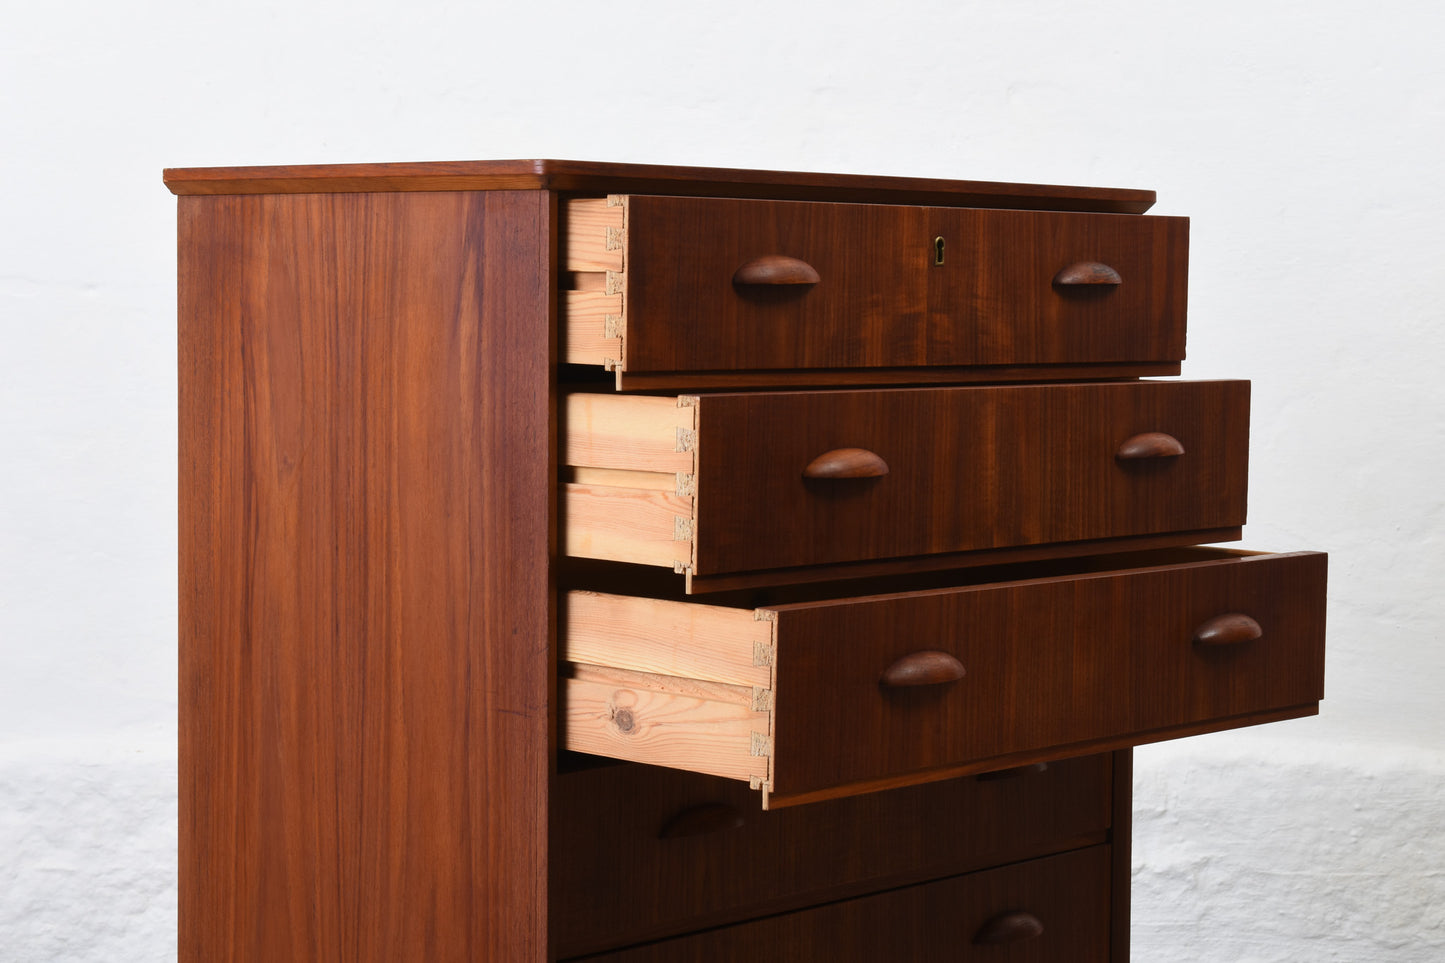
835 506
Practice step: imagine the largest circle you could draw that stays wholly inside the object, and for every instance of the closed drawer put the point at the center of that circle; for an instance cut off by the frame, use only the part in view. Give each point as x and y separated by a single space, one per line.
822 698
672 285
719 486
1053 910
643 852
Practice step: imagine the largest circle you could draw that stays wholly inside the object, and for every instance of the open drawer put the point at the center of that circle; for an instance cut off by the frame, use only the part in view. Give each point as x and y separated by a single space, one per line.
766 488
712 292
833 697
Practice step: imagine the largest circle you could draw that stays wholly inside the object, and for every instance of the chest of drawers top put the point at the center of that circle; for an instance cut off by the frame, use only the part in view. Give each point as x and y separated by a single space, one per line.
592 177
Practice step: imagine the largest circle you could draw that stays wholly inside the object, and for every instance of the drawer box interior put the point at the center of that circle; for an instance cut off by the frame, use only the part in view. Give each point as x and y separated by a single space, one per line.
810 699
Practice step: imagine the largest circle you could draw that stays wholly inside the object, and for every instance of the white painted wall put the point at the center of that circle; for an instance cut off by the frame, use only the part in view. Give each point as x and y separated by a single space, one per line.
1304 138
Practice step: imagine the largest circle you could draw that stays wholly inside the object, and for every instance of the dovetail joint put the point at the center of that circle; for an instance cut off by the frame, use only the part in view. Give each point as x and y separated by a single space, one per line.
762 699
614 238
687 401
686 484
615 281
686 438
762 654
761 745
612 326
682 529
614 200
764 615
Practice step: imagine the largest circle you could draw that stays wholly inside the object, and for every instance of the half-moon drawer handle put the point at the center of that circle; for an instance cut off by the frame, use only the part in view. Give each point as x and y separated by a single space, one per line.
1012 927
1087 272
776 269
702 820
846 463
1231 629
923 668
1151 444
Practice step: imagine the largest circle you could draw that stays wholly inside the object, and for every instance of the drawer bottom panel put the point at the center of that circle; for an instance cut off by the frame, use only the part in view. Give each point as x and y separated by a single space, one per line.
1051 910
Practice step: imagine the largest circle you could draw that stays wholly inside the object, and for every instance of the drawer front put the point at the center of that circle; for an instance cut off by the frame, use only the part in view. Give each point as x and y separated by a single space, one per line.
1043 666
707 284
954 470
835 697
644 852
1053 910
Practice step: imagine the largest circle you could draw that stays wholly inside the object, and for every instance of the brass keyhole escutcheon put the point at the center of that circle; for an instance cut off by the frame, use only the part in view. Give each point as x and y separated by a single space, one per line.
938 250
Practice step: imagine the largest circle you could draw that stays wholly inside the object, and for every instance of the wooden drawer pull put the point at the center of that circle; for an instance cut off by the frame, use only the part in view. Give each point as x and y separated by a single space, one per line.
776 269
1087 272
1151 444
1012 927
846 463
923 668
1231 629
702 820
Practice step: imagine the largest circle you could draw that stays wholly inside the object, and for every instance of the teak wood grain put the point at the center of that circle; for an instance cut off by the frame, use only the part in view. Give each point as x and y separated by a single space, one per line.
616 880
1051 663
969 469
594 177
365 659
881 300
1067 893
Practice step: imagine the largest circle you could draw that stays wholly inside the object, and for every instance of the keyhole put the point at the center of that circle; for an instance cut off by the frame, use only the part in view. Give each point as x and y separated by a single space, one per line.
938 250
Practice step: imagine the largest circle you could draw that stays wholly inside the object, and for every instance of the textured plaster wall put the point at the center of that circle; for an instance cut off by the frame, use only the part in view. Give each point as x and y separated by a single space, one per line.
1304 138
1266 849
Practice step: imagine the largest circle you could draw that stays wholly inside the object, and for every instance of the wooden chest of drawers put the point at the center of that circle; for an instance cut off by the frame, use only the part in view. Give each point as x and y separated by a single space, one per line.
833 505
